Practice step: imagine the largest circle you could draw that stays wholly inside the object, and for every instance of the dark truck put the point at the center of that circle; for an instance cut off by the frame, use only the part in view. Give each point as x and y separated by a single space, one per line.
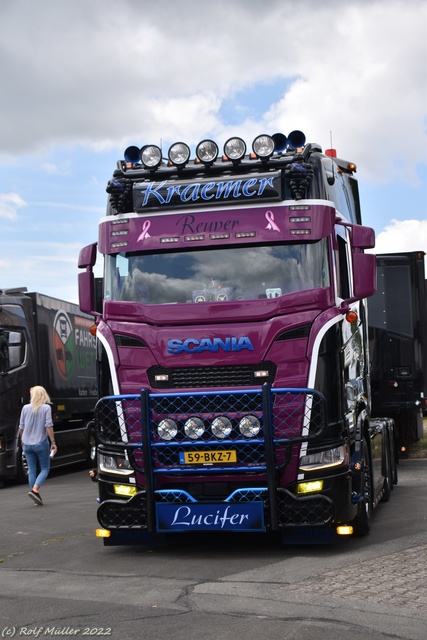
45 341
398 343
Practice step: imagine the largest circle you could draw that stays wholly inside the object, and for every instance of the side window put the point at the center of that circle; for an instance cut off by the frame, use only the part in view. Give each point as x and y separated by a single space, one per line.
343 281
12 350
4 352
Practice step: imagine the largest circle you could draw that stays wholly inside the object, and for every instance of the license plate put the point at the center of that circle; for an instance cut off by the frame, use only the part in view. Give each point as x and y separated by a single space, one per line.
207 457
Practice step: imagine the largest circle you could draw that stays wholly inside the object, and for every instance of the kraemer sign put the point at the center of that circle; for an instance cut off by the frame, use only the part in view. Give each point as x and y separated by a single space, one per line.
266 186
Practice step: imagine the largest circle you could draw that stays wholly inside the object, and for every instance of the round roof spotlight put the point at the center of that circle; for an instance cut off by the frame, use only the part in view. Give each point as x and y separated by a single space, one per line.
235 149
132 155
207 151
151 156
167 429
221 427
194 428
179 154
263 147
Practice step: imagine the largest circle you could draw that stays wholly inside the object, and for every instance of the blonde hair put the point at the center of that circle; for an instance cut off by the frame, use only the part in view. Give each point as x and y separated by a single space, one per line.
39 396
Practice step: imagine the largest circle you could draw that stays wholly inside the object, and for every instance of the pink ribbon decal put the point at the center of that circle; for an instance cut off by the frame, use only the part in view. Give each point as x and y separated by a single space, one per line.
272 226
145 234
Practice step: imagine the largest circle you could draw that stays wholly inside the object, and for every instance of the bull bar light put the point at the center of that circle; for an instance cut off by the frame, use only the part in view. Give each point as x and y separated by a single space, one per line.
167 429
194 428
249 426
151 156
221 427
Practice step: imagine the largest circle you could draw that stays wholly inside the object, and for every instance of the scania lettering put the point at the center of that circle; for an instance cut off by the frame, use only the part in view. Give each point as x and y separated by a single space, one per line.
192 345
232 345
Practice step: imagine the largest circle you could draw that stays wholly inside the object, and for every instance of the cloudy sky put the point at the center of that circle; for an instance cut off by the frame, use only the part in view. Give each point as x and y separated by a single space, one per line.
82 80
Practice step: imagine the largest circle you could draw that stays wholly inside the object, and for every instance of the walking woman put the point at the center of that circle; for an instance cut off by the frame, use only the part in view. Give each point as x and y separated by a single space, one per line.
36 430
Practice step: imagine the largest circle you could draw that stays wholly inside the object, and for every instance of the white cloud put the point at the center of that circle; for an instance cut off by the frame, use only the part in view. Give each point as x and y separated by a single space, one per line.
402 235
52 169
9 204
144 72
45 267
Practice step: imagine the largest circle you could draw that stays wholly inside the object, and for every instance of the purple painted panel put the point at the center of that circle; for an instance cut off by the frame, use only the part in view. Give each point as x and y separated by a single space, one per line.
212 312
271 223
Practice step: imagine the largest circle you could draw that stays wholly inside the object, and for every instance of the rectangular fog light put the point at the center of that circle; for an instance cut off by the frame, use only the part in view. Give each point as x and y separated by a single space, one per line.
345 530
125 490
310 487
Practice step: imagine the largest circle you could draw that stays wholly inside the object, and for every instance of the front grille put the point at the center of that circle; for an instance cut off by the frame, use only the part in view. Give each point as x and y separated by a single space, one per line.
211 377
120 514
129 341
295 333
303 511
292 511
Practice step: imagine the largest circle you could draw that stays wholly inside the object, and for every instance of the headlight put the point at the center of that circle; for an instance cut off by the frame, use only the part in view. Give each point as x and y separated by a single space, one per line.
167 429
324 459
263 147
151 156
249 426
179 154
207 151
118 465
221 427
235 149
194 428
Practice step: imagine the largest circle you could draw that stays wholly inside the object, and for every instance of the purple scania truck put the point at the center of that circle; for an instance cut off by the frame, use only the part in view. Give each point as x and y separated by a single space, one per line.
232 345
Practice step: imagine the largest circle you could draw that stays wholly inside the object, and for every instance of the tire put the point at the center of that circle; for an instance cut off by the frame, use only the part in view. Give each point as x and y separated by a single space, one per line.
92 448
363 520
21 475
393 454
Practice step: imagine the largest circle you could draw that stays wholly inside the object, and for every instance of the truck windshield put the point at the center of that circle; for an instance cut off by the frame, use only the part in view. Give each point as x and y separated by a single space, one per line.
217 275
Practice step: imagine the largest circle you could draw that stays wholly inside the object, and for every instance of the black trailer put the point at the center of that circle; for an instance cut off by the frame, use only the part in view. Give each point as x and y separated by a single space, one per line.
45 341
398 343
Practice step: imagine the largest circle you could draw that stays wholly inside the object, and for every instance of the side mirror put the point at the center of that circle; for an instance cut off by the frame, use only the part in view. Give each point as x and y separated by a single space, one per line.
87 292
364 275
87 260
362 237
87 256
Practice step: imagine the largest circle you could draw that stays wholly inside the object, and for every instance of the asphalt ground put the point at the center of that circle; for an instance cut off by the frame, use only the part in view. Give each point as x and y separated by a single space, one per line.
56 578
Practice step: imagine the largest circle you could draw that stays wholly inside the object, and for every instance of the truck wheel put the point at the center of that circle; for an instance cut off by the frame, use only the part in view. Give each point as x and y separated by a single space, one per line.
21 467
92 447
363 520
393 454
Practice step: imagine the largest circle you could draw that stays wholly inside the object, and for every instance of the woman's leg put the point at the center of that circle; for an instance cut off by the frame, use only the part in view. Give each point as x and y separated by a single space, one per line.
43 451
31 458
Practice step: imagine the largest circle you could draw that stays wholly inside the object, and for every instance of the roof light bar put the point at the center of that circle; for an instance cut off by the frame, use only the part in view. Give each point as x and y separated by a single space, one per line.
263 147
